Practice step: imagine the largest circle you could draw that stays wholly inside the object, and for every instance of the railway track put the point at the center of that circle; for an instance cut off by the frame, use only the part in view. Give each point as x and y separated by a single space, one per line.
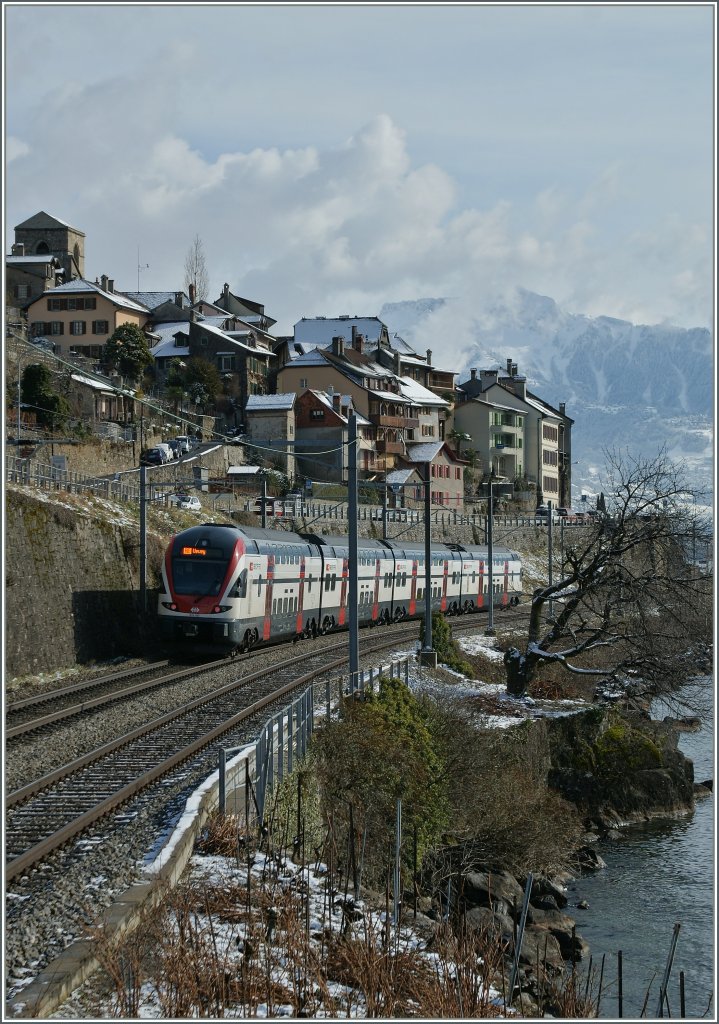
45 814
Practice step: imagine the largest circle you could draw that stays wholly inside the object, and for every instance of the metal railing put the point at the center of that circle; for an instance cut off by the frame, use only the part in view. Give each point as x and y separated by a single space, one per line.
34 474
283 740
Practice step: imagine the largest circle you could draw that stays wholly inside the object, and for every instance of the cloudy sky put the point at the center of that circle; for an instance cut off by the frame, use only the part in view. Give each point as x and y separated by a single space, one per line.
333 158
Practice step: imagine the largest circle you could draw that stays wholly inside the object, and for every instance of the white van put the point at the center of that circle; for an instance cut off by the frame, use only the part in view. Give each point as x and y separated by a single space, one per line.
167 453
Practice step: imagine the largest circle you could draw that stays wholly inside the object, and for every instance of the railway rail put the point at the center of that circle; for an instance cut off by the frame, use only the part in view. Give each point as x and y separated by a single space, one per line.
47 813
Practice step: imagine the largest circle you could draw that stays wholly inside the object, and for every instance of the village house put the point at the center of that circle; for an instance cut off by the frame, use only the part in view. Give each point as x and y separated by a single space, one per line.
516 433
400 410
322 429
270 425
79 316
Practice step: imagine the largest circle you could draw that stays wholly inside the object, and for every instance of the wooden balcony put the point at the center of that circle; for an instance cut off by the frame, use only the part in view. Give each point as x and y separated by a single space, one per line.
390 447
397 422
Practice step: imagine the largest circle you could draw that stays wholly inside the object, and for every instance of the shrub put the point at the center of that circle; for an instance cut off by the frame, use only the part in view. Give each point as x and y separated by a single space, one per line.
381 750
448 653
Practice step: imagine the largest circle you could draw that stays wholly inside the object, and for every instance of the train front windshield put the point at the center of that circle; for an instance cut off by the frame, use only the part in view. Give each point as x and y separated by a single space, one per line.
198 569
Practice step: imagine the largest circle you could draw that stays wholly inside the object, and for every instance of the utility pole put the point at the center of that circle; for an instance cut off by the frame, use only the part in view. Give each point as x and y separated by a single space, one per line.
264 500
384 509
143 540
549 554
353 566
428 656
489 631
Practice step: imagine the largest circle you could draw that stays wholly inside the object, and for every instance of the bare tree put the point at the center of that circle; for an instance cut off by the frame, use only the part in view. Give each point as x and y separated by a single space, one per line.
196 270
631 589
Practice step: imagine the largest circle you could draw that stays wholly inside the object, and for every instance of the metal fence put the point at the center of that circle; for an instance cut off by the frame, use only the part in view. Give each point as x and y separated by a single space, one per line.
284 738
35 474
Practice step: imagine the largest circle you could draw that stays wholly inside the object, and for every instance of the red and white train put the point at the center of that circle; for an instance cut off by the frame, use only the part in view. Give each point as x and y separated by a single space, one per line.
232 587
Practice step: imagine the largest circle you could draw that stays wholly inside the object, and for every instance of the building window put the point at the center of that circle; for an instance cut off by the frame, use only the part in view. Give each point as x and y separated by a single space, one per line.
56 304
549 458
100 327
317 414
550 483
78 327
57 327
22 291
303 382
549 433
227 362
427 430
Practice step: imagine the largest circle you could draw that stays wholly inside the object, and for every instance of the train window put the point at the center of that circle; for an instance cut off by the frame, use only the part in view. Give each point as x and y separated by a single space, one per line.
334 581
328 582
309 583
420 592
240 589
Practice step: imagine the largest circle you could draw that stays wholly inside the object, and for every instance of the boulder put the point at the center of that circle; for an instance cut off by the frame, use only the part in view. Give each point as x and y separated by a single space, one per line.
563 929
496 889
587 859
540 946
496 926
542 886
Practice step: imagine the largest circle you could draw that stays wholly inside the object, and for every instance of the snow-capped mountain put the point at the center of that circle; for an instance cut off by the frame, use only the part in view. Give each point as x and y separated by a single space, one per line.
627 386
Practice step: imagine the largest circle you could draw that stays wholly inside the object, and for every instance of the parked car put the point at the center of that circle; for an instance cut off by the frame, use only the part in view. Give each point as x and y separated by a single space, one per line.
167 452
152 457
563 512
187 502
542 512
176 448
184 442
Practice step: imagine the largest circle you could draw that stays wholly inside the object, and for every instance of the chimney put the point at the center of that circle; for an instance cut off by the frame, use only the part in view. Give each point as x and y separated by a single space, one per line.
330 390
397 363
191 290
488 377
110 284
473 373
338 345
514 369
429 357
520 387
509 367
18 249
103 282
358 342
562 408
336 403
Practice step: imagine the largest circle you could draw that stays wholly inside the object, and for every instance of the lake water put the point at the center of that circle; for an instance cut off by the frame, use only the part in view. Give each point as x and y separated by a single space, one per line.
659 873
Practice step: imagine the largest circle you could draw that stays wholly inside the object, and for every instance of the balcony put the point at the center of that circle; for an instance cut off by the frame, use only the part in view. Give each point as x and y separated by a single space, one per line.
397 422
390 447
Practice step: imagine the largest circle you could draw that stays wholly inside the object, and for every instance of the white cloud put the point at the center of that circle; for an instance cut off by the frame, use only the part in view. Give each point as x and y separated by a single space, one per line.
348 227
15 148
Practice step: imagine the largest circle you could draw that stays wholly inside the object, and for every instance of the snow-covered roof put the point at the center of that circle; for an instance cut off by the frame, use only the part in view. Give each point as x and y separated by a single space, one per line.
100 385
243 470
424 452
80 285
47 258
286 400
390 396
346 401
321 330
419 394
400 345
399 476
166 346
234 338
154 299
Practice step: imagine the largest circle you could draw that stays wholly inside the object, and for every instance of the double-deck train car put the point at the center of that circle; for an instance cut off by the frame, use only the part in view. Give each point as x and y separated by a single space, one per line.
232 587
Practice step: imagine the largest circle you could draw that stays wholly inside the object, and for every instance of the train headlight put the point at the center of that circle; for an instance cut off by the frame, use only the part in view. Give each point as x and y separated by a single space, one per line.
222 608
170 604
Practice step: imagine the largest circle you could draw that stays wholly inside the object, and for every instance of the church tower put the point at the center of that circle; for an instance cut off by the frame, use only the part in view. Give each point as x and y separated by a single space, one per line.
44 235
